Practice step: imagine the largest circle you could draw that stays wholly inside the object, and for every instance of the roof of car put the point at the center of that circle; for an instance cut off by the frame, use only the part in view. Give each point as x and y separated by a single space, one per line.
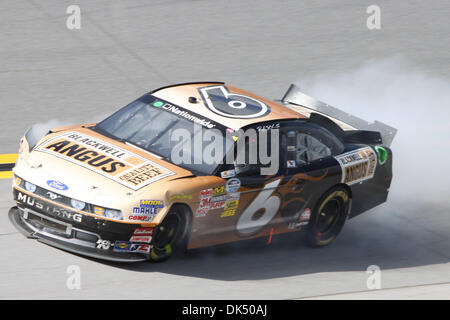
196 97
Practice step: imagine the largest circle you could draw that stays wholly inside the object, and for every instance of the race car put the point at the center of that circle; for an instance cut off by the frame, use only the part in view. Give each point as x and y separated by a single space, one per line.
199 164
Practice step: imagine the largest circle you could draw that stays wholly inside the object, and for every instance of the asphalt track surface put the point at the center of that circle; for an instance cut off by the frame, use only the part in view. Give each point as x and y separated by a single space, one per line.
125 48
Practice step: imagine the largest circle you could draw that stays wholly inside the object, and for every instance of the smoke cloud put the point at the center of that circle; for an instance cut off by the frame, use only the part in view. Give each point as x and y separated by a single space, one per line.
415 102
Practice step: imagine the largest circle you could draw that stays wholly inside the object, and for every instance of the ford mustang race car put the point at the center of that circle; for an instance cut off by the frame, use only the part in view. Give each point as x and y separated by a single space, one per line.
199 164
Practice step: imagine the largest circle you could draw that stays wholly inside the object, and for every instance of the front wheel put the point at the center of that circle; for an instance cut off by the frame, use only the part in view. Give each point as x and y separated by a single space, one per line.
171 234
328 217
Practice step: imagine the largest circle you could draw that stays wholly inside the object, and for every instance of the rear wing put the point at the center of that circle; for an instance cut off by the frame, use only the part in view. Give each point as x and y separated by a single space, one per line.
302 103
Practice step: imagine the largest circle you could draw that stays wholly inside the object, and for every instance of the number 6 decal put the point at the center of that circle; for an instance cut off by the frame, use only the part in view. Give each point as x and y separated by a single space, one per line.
246 225
219 100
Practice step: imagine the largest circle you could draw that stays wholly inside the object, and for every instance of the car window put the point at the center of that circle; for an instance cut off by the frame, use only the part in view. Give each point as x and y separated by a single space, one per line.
309 148
304 146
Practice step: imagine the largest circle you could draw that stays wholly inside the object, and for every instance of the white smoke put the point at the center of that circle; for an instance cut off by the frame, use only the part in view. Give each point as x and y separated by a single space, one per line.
415 102
41 128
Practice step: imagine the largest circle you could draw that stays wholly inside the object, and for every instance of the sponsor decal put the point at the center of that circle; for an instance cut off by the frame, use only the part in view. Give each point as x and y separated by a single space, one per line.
218 191
187 115
217 205
57 185
179 197
232 185
302 219
382 154
306 215
144 175
268 126
145 239
140 248
47 208
147 210
103 244
205 201
128 246
291 148
124 167
142 235
122 246
216 198
158 104
231 205
358 165
228 174
291 163
152 204
143 231
144 218
17 181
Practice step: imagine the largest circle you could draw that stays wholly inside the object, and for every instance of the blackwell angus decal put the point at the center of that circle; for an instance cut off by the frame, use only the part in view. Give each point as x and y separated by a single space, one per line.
110 161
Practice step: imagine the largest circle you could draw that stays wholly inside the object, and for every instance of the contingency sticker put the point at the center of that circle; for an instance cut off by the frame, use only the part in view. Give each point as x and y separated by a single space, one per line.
358 165
122 166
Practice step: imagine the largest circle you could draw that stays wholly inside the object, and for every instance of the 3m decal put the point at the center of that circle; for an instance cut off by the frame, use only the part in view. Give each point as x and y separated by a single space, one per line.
110 161
358 165
205 202
219 100
265 204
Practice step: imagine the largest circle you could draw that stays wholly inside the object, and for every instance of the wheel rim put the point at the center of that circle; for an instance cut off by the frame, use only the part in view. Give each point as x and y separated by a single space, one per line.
329 216
167 232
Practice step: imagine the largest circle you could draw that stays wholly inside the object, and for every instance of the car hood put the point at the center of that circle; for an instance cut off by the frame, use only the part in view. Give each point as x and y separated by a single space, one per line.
97 169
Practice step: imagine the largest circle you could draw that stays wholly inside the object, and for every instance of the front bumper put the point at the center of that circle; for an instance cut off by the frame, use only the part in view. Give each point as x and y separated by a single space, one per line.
66 236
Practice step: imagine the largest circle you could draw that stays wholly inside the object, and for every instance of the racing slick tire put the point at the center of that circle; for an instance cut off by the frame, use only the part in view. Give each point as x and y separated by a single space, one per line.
172 234
328 217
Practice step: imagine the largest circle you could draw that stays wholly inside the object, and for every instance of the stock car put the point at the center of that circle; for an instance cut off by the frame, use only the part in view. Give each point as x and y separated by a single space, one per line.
199 164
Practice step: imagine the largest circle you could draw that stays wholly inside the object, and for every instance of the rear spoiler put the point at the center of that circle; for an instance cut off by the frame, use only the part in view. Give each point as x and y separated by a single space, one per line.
294 97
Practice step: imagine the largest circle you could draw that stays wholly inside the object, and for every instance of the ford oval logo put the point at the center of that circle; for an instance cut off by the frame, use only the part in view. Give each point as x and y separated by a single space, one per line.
57 185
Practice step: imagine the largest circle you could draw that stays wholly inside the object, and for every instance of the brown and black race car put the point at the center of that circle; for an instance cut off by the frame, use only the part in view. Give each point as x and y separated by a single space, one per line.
195 165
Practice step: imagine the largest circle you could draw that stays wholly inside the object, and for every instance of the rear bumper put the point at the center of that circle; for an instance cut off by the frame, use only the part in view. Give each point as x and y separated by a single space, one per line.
65 236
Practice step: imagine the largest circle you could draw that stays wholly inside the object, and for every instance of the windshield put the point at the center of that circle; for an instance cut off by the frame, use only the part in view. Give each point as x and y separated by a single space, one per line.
174 133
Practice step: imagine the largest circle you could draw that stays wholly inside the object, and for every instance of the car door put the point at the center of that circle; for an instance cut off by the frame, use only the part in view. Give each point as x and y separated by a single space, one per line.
308 169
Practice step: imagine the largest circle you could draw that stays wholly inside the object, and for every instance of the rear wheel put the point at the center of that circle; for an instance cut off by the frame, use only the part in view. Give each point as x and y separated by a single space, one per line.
171 234
328 217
